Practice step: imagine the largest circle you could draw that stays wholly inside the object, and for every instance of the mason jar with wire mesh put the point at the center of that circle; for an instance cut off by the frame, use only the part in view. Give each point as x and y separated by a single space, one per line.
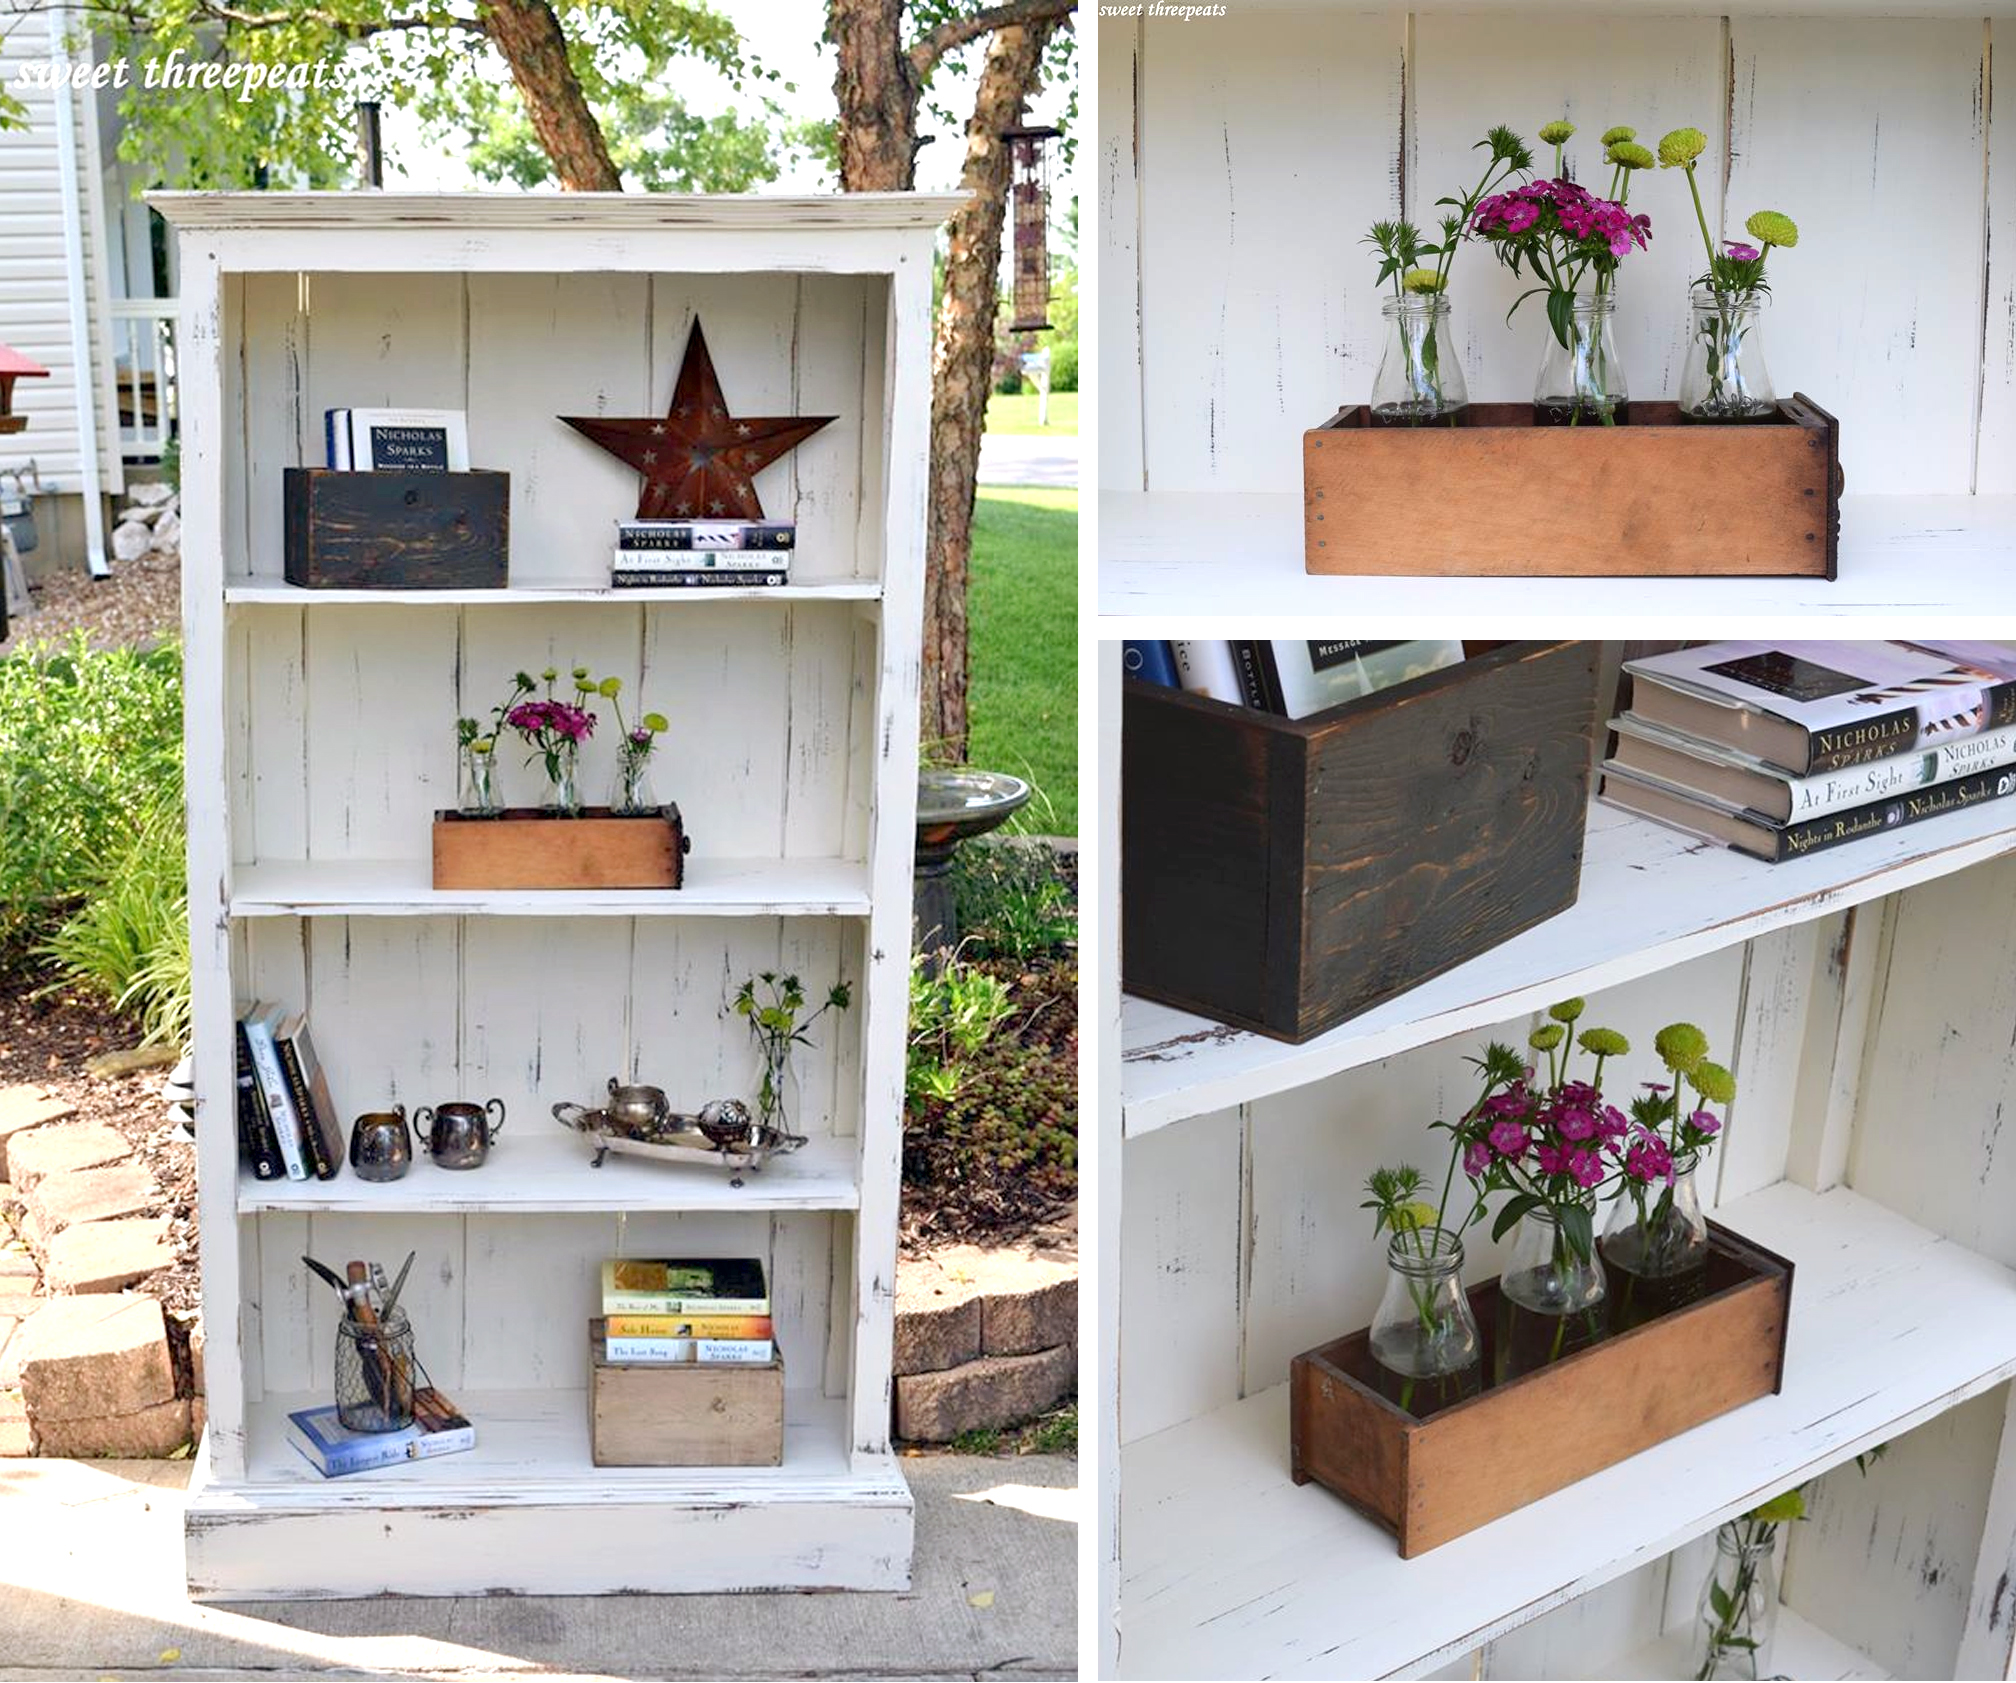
374 1374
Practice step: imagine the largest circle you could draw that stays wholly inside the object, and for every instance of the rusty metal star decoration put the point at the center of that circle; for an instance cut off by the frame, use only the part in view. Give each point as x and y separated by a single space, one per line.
698 461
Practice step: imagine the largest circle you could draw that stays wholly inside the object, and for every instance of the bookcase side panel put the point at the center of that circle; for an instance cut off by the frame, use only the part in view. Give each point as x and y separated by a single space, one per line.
378 726
1995 445
1181 1263
1120 417
542 346
1939 1070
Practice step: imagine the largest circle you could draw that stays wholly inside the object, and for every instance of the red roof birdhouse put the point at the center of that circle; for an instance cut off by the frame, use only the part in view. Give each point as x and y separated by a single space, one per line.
12 366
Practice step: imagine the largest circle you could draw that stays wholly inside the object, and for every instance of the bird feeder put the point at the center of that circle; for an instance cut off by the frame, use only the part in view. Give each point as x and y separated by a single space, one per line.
13 365
1031 201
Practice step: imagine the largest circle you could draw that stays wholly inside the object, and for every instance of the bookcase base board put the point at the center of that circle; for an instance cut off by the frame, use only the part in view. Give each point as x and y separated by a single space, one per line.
1679 500
685 1535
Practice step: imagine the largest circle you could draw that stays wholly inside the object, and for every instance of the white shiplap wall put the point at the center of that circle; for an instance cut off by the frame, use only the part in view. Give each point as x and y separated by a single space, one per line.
34 301
1242 160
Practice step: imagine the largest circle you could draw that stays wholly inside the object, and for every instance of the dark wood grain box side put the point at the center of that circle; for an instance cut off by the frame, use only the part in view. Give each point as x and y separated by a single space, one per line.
1210 845
1441 821
396 530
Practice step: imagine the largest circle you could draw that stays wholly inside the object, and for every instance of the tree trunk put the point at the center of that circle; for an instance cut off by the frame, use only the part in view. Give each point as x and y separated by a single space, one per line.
528 35
877 92
962 364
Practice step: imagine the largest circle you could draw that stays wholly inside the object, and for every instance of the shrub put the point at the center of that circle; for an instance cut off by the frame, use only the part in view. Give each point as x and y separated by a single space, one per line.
952 1015
1010 903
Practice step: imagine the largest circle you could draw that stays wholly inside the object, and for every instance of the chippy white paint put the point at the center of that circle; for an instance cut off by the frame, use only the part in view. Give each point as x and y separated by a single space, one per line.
1864 1000
315 770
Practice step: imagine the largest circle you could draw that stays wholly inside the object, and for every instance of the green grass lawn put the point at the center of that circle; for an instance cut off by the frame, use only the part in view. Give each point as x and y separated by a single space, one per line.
1017 414
1022 615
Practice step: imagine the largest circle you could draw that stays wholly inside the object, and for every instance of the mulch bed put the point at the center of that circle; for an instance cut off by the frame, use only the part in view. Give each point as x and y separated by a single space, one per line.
46 1041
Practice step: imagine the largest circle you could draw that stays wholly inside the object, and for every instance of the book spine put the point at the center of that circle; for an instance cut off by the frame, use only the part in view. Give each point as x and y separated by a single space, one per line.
751 1351
696 578
1859 743
653 1350
273 1084
701 561
315 1150
359 1455
1150 661
1206 668
1797 840
666 1303
255 1132
689 1326
731 537
1252 685
1816 797
448 1442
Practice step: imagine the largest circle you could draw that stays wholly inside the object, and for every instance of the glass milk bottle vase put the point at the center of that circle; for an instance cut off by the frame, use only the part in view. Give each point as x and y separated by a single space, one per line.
1550 1297
1657 1244
479 794
1725 379
1581 382
1424 1337
1420 380
1739 1604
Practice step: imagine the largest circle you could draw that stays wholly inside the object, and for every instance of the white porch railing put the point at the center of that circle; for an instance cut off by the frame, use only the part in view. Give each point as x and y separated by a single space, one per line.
143 359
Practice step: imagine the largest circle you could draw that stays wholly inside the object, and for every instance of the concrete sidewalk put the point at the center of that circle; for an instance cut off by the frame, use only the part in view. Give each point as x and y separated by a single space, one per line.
91 1587
1049 459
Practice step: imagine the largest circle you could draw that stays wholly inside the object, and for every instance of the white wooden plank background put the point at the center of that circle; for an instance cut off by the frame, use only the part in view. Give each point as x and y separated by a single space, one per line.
1257 304
1242 162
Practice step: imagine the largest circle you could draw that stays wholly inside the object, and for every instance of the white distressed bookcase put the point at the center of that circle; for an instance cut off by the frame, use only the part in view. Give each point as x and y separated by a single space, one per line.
1866 999
1243 158
320 741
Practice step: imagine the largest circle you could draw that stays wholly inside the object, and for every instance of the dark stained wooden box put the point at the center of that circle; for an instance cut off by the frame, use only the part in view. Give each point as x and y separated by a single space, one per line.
1502 496
397 530
1430 1480
525 848
1286 874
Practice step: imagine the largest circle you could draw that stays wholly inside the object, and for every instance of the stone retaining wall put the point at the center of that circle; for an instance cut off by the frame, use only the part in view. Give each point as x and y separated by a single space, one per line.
984 1339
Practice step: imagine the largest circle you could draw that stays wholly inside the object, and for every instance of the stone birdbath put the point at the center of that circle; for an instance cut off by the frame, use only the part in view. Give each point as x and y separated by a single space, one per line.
953 805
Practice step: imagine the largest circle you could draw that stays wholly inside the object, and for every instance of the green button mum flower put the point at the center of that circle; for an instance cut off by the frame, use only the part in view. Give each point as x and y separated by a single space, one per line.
1422 280
1556 134
1603 1043
1631 155
1681 148
1613 137
1774 228
1568 1010
1715 1083
1681 1046
1408 1217
1546 1037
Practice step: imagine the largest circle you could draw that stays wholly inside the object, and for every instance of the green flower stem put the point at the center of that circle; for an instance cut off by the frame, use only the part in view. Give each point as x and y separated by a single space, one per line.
1447 257
1701 216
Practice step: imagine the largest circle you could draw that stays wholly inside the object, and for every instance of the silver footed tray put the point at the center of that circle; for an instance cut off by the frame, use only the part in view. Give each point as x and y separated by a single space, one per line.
724 1134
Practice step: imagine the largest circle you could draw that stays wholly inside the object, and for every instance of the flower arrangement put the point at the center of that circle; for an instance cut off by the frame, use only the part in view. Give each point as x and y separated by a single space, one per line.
477 740
1550 1146
635 744
1734 387
555 730
771 1005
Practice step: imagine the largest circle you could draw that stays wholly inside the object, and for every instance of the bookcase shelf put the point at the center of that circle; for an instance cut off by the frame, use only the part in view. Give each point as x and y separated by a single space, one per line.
538 1165
532 592
400 888
321 741
1651 898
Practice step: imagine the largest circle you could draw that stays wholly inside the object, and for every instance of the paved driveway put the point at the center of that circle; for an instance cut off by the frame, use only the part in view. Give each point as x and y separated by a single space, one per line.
1029 459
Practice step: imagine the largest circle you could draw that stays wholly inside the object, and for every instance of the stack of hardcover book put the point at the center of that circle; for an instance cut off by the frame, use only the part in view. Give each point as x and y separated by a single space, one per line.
333 1450
1288 677
688 554
1781 749
287 1121
685 1310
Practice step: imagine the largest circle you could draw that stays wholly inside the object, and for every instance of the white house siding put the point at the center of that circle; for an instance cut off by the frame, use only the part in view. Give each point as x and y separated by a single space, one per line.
34 299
